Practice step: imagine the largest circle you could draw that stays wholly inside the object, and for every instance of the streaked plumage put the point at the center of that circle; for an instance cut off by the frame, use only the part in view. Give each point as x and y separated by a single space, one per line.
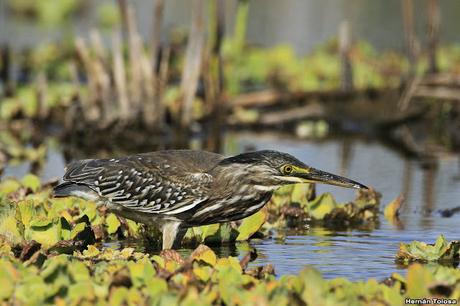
183 188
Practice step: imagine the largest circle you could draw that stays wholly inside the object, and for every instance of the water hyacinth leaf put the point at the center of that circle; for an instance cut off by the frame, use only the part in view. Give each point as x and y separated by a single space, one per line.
112 223
119 296
203 273
43 231
301 193
321 206
81 291
77 229
91 251
8 186
418 278
209 230
420 251
9 108
224 234
251 225
392 209
159 260
141 272
31 181
315 288
228 262
78 271
40 221
8 277
9 226
133 228
32 291
205 254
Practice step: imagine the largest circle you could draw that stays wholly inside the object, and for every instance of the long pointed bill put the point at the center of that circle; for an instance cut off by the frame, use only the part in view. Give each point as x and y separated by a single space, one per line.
318 176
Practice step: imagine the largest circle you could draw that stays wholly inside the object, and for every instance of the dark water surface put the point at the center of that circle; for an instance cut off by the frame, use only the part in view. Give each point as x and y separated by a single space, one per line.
355 254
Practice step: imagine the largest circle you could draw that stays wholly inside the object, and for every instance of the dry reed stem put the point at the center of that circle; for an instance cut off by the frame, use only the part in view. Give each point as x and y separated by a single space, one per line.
119 74
192 66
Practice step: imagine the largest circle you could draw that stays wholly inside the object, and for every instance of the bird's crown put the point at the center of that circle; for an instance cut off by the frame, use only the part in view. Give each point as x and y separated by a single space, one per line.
266 157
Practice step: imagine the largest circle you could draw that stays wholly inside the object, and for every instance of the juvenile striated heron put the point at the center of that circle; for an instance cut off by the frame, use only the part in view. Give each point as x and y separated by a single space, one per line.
177 189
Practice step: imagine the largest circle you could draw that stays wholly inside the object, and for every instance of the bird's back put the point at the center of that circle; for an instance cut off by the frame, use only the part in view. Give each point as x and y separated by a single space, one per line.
164 183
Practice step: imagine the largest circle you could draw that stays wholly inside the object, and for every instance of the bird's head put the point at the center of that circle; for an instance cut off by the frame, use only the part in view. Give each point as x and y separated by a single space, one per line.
272 169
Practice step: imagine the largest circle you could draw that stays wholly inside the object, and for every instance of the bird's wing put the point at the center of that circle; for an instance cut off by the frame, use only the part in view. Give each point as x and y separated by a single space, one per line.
142 184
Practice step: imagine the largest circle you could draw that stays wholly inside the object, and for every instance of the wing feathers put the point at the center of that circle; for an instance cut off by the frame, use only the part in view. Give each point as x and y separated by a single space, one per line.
139 185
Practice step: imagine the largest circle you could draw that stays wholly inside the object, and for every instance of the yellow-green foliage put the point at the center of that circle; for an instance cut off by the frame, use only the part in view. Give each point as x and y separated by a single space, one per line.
318 70
48 12
30 213
323 208
125 277
64 267
441 250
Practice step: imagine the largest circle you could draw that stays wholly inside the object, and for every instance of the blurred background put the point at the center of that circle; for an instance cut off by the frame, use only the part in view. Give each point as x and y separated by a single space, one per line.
366 89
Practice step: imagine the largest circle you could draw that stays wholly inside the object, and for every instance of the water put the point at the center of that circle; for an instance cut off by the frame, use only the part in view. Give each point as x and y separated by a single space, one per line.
302 24
355 254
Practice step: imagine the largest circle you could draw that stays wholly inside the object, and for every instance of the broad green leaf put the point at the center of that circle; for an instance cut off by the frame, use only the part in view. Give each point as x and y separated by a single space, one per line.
205 254
8 186
418 279
112 223
32 182
420 251
321 206
78 271
77 229
251 225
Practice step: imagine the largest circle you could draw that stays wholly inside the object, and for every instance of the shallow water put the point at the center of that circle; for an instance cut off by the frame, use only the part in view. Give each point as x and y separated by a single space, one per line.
359 254
355 254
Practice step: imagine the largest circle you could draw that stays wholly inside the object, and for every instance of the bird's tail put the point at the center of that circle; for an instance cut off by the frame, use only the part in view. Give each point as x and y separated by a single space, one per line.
67 189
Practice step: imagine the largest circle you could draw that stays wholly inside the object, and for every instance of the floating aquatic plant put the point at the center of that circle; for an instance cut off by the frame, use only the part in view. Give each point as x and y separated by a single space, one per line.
442 251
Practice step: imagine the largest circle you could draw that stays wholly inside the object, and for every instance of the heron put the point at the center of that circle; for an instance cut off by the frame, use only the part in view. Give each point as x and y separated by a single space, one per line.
178 189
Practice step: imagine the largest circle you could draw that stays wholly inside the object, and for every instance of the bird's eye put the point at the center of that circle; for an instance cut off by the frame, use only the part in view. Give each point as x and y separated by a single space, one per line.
287 169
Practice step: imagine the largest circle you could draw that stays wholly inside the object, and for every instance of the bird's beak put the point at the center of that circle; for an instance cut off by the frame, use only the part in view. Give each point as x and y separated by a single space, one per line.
311 175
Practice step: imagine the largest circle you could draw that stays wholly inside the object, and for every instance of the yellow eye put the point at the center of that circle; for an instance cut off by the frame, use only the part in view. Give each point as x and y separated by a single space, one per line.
287 169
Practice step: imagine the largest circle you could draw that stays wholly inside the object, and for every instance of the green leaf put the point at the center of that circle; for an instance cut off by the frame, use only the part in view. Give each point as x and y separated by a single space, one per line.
205 254
32 182
40 221
78 228
321 206
78 271
112 223
8 186
251 225
301 193
418 279
8 277
420 251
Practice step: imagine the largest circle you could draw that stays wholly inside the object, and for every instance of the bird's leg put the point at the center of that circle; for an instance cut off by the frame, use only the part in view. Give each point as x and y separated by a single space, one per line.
170 230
